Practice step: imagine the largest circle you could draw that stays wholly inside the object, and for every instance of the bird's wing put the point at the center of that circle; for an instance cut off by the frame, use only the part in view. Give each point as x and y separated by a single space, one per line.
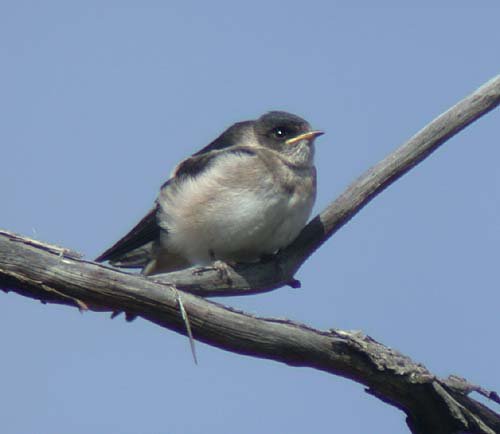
131 250
199 162
135 249
227 139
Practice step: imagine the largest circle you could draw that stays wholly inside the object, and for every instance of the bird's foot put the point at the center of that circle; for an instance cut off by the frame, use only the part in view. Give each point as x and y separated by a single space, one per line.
222 268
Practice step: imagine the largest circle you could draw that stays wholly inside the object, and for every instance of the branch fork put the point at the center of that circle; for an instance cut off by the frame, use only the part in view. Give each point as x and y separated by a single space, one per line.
53 274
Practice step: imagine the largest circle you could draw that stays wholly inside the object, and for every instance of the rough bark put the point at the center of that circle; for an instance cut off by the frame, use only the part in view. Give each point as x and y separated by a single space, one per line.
432 405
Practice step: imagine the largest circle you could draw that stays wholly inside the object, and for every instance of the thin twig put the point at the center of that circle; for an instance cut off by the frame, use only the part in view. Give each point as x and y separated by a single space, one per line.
187 323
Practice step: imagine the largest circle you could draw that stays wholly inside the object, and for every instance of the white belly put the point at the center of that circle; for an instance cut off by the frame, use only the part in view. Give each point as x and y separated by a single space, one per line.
207 218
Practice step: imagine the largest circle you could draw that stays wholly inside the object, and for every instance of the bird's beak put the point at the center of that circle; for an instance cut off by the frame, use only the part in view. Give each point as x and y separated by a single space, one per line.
305 136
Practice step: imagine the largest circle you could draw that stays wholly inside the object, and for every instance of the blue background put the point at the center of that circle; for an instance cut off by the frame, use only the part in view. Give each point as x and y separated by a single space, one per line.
100 100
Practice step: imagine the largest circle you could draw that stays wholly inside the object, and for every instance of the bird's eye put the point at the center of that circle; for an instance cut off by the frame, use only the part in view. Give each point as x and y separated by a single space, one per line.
279 133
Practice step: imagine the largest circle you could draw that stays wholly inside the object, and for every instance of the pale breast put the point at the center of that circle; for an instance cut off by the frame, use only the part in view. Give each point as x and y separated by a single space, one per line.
238 209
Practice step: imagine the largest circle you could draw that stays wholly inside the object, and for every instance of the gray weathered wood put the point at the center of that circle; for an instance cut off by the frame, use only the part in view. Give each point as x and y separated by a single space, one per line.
432 405
250 279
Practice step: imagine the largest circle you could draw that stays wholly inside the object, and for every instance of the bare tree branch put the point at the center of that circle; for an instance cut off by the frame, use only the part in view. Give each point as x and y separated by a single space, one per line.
432 405
250 279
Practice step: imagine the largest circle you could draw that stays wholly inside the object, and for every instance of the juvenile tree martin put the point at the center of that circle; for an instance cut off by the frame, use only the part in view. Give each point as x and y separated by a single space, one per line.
246 195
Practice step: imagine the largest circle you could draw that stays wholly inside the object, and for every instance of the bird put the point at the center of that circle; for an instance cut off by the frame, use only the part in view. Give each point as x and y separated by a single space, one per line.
243 197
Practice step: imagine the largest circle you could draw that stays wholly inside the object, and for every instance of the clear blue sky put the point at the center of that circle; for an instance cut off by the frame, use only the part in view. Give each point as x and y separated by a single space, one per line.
99 101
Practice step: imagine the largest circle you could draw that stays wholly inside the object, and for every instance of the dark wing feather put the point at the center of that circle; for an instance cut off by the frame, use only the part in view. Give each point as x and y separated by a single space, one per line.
194 165
146 231
201 160
227 139
198 163
131 250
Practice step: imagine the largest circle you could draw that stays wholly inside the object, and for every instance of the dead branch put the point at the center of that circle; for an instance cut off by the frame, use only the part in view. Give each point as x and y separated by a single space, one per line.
432 405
